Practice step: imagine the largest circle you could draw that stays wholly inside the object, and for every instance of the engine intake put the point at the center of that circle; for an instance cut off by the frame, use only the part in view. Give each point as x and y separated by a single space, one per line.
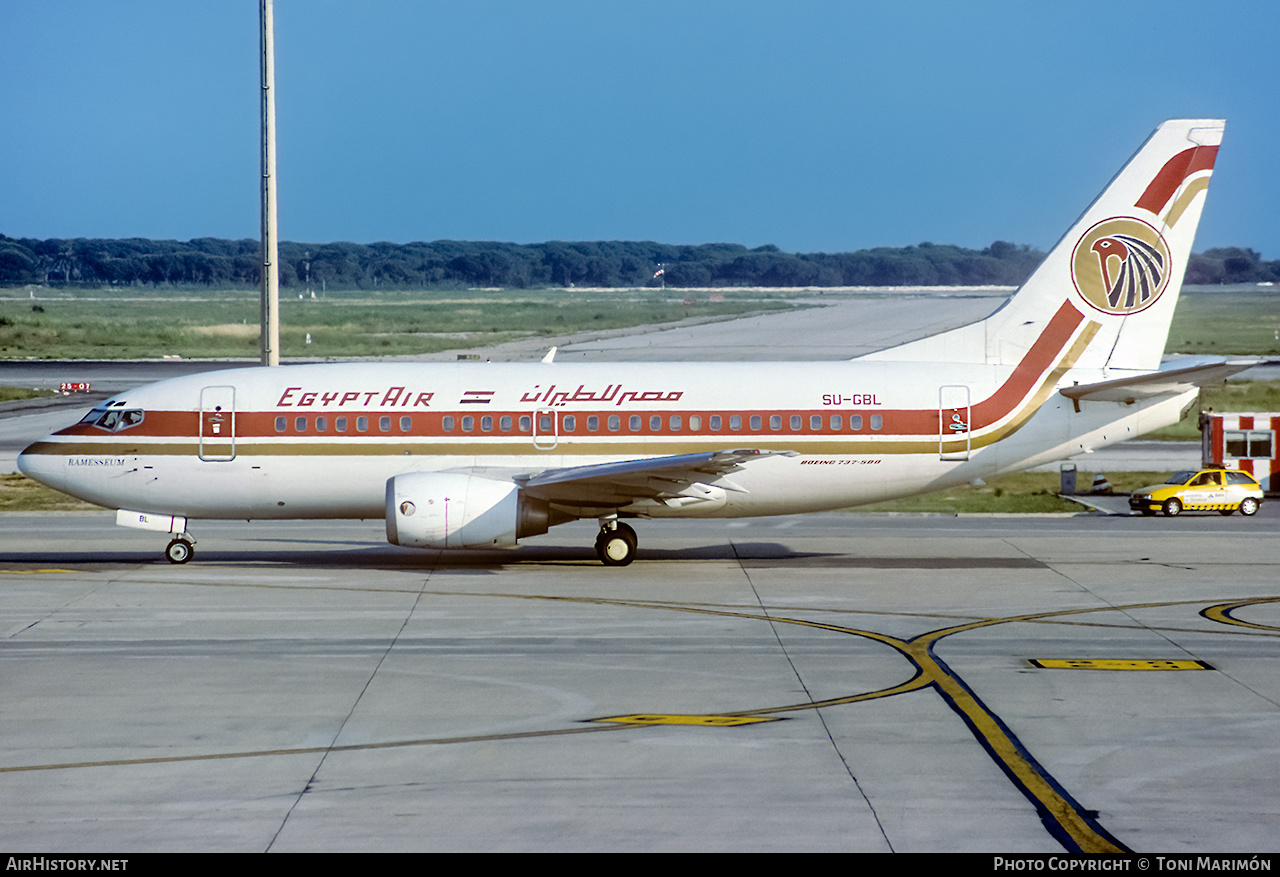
458 510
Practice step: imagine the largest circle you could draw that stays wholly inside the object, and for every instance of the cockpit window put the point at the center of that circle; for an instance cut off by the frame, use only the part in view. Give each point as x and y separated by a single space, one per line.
115 419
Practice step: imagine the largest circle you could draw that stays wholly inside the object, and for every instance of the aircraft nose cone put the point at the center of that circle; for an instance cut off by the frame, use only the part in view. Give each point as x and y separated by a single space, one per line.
35 465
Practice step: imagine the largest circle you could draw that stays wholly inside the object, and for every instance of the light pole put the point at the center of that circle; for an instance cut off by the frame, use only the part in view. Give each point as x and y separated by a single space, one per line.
269 335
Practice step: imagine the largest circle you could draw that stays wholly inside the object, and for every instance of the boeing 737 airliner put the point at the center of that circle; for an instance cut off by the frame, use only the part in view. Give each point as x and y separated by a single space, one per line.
482 455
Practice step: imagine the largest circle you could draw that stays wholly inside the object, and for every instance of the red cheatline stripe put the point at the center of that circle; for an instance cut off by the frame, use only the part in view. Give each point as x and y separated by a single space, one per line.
1175 170
1042 356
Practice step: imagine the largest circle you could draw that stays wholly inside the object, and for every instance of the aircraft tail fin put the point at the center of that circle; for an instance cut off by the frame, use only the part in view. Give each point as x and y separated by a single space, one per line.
1120 266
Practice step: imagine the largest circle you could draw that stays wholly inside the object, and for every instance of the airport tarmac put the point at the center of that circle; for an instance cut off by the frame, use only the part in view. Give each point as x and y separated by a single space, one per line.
828 682
840 681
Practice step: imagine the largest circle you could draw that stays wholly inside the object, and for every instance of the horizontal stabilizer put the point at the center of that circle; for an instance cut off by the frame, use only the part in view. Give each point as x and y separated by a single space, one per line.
1177 380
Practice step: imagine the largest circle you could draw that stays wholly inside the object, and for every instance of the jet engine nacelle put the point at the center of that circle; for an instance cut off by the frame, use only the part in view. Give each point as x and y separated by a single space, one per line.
457 510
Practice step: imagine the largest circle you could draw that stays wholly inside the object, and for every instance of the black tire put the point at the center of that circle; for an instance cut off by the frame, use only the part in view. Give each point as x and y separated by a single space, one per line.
179 551
1172 508
617 547
1249 506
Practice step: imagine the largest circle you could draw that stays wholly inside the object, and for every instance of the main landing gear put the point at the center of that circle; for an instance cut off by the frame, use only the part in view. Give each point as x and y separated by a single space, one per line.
181 549
616 544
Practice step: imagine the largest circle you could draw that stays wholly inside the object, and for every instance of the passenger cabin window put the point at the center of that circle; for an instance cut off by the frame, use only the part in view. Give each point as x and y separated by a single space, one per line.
340 424
362 424
282 423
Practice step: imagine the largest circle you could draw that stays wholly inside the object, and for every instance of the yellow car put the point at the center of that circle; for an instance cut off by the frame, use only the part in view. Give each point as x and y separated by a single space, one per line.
1205 490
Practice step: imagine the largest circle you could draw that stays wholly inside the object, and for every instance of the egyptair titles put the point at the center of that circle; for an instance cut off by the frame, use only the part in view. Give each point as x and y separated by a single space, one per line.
403 397
613 393
392 397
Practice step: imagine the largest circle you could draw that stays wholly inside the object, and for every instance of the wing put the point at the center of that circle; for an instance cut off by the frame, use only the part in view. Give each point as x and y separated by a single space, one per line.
672 482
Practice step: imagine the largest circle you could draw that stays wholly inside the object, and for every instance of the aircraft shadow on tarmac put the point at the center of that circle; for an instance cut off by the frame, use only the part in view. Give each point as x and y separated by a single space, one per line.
322 553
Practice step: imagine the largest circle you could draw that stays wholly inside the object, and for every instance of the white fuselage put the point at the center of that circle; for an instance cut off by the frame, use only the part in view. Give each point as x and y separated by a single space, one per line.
321 441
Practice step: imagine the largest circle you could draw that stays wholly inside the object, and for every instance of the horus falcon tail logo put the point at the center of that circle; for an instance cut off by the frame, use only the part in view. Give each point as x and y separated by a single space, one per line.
1121 266
1140 272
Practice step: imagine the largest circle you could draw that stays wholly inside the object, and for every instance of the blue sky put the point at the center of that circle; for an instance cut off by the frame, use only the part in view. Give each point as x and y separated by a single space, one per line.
815 126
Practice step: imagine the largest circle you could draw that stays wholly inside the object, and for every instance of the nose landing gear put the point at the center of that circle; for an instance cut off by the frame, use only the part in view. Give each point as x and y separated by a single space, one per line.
616 544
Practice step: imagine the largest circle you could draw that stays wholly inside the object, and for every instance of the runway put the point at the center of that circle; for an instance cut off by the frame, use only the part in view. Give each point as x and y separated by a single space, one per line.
302 686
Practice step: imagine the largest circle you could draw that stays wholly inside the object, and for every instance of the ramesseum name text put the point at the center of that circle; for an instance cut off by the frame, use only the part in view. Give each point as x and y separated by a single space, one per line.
47 863
1136 863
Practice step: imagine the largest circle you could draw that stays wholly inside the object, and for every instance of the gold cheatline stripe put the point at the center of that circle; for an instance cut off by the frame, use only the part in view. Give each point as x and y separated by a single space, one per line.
510 448
1184 201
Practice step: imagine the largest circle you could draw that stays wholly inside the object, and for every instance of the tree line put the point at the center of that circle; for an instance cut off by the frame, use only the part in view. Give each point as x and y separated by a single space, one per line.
222 263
